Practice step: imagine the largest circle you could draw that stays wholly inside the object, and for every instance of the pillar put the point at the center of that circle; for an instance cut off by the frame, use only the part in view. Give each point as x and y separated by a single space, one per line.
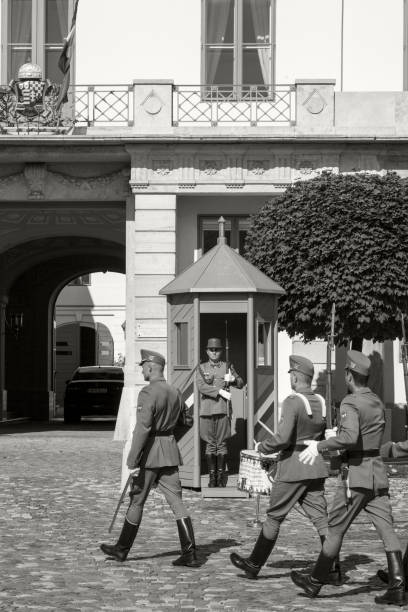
150 264
3 392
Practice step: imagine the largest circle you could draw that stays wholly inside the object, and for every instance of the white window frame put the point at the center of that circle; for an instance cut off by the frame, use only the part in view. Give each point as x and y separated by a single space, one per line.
267 331
238 44
38 44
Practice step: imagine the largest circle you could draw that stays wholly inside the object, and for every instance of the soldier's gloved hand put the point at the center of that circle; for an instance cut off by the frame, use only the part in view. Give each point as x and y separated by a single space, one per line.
330 433
386 449
225 394
229 378
308 456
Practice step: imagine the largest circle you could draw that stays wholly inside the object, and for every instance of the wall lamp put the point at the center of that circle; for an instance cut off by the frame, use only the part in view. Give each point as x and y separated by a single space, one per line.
14 322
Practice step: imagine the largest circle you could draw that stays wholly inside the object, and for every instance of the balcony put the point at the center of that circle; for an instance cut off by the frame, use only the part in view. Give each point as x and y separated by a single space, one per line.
159 108
192 105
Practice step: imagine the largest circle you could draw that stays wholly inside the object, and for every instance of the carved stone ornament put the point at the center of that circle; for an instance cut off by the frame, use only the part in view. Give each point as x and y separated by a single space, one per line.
315 103
210 167
162 166
257 167
35 175
152 104
93 182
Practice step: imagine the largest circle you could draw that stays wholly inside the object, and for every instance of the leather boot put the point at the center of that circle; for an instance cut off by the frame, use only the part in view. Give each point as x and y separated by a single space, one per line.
334 576
252 565
312 583
221 474
188 548
383 574
395 594
212 470
120 550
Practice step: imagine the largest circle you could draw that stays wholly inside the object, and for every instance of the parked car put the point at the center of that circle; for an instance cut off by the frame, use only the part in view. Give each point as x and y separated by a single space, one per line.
93 391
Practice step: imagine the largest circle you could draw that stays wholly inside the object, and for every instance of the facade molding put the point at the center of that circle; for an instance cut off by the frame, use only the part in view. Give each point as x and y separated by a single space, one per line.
37 182
248 169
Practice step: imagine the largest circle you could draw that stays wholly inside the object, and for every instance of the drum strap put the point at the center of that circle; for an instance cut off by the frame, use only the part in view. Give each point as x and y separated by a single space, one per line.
307 404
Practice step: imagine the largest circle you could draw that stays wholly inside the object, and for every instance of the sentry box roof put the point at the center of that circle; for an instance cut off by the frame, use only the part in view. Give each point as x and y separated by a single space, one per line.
222 270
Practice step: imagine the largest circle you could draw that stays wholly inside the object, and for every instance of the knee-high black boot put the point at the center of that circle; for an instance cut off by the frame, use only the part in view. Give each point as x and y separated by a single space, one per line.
188 548
121 549
221 474
312 583
212 470
252 565
383 574
334 576
395 594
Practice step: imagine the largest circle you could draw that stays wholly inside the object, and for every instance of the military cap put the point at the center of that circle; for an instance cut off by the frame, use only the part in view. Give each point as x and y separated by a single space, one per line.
297 363
214 343
357 362
151 356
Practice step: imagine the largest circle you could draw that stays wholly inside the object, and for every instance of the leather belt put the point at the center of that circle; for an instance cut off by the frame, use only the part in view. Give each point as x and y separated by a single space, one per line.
298 447
373 452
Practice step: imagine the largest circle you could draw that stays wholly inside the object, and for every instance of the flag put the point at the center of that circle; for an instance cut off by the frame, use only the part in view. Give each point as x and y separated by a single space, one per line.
64 61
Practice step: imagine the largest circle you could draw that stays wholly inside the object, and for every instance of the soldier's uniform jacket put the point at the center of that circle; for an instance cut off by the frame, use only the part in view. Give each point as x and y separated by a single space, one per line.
362 423
210 379
159 409
296 426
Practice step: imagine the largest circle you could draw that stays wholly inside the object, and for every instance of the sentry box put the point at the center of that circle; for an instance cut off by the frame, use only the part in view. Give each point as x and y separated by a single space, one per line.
223 295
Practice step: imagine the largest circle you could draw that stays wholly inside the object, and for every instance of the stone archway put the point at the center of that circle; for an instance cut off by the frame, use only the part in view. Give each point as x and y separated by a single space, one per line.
33 273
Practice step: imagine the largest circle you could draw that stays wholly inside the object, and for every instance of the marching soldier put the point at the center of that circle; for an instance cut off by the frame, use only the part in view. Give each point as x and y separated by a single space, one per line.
155 452
395 450
213 381
365 482
303 417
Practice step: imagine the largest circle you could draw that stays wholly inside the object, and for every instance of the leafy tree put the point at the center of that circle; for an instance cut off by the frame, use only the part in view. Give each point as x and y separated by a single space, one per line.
339 238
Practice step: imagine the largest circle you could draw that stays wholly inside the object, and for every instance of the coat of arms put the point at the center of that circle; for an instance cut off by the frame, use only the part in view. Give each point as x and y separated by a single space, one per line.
30 102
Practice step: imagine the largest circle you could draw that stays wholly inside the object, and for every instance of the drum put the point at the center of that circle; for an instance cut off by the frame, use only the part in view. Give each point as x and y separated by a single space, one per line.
253 477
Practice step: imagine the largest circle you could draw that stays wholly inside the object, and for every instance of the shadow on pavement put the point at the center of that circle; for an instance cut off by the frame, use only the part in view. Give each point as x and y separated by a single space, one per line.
203 552
24 427
373 584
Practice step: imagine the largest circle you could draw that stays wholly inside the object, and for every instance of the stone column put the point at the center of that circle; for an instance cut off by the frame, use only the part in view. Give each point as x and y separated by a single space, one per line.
3 392
150 264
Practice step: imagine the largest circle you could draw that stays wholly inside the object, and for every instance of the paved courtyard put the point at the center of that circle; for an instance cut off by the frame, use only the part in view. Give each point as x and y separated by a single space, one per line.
58 489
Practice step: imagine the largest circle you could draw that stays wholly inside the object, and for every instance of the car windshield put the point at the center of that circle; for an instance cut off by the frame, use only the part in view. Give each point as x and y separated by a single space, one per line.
98 375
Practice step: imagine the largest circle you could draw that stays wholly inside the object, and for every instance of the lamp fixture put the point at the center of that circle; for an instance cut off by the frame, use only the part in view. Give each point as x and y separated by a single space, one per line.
14 322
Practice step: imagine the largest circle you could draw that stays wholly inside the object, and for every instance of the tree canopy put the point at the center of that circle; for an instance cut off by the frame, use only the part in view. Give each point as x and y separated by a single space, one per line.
339 238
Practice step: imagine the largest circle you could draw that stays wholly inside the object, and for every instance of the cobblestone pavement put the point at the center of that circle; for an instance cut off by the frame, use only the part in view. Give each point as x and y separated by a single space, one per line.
58 489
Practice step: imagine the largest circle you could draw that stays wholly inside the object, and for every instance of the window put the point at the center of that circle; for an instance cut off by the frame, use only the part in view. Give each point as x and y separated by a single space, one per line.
182 344
238 43
264 344
33 31
80 281
235 232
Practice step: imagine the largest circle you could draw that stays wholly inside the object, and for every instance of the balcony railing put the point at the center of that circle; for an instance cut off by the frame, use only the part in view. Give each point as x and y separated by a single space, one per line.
102 104
223 105
113 105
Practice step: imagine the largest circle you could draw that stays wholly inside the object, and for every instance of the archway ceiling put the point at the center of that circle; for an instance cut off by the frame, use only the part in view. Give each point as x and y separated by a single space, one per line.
55 261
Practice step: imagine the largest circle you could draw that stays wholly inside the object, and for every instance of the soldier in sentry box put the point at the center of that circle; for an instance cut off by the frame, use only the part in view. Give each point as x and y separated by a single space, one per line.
214 378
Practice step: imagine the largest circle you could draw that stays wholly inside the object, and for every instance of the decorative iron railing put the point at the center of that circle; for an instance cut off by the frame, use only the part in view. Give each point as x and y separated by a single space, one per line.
218 105
105 105
102 104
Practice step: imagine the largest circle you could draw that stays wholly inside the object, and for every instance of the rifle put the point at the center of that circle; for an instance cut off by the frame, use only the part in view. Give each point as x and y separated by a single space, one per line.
404 354
331 411
227 367
121 498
